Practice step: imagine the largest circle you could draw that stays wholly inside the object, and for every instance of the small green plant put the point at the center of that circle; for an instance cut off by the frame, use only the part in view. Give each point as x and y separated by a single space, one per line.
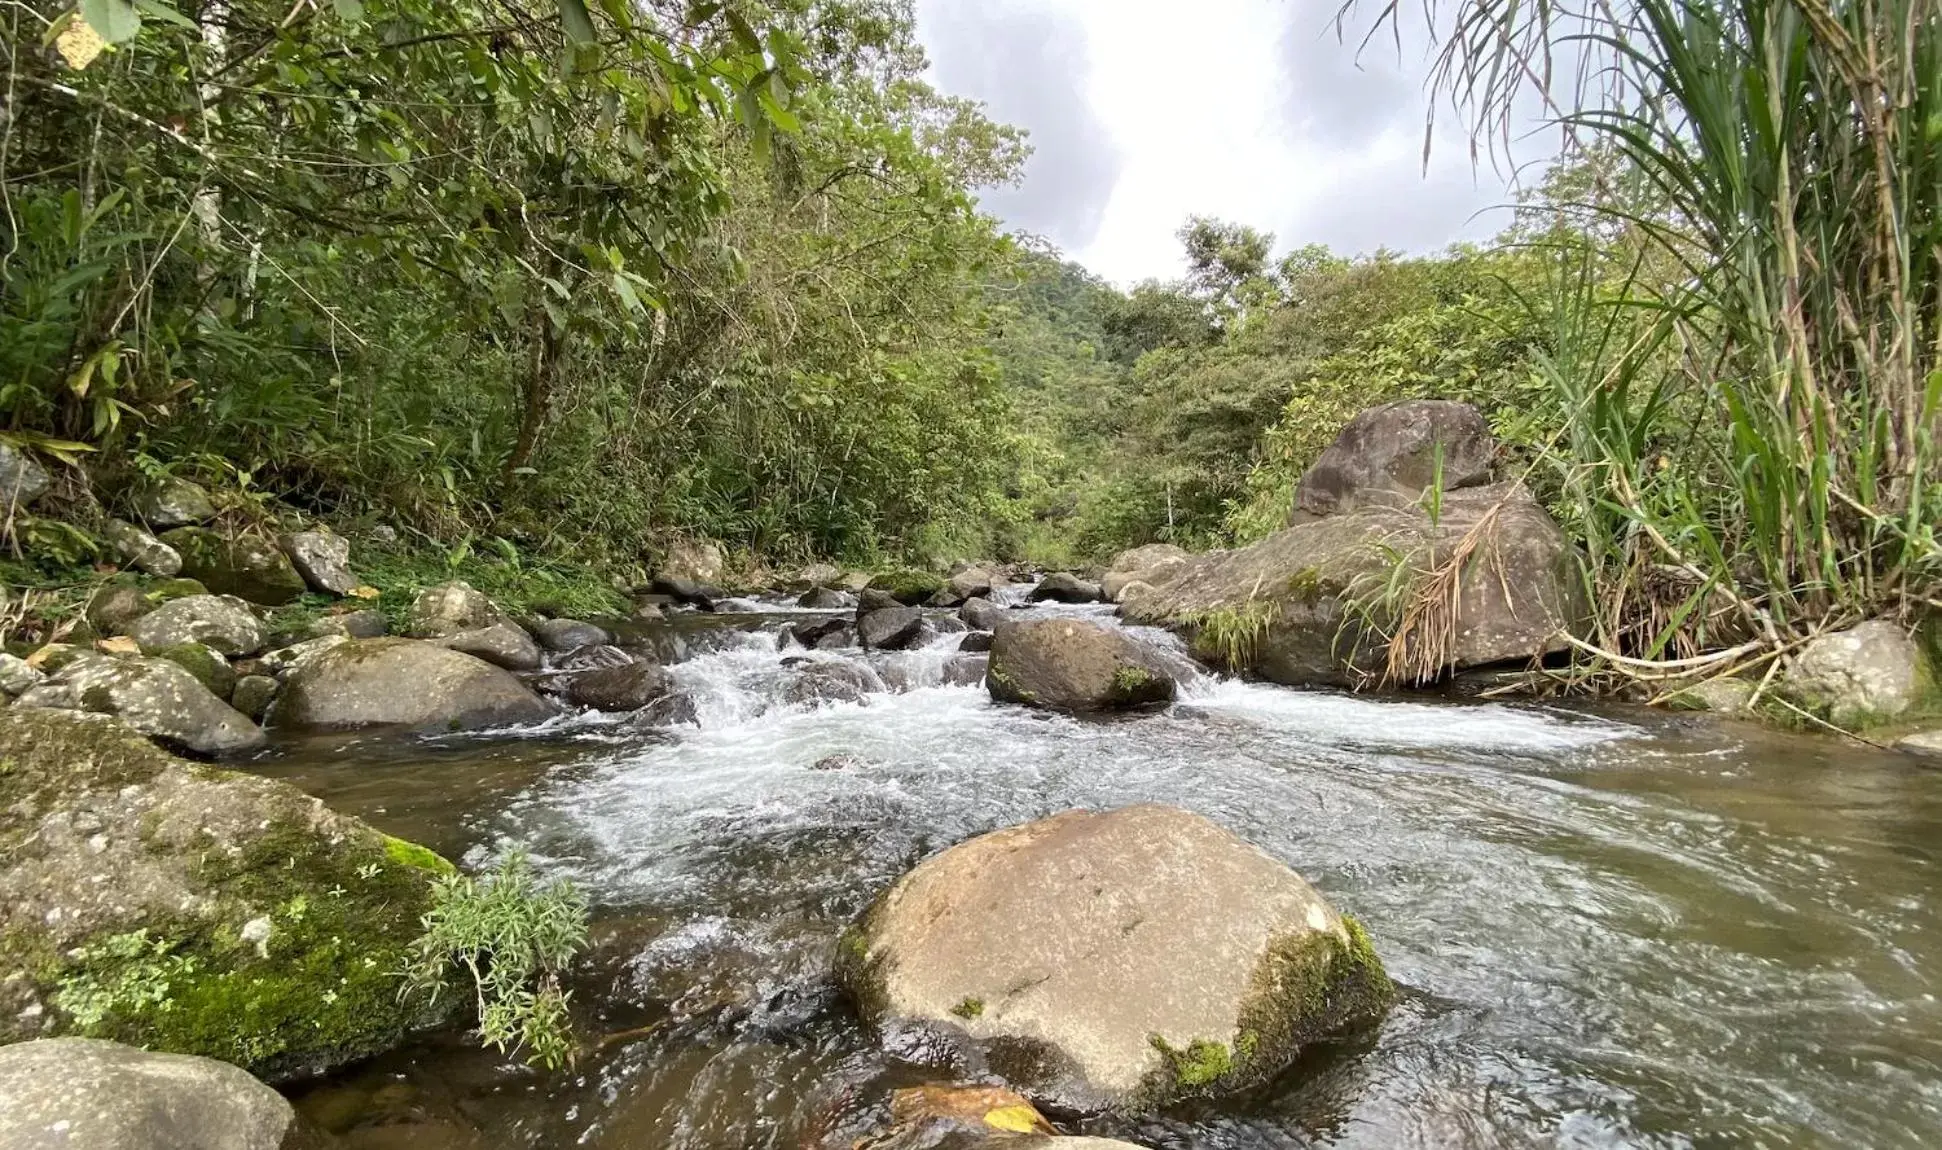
1232 635
968 1009
130 973
513 937
1200 1064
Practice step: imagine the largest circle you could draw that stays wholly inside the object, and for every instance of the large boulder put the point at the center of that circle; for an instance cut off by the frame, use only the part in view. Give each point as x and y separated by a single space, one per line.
21 479
1074 665
402 683
910 587
628 687
173 502
246 566
449 608
1865 676
1115 960
1390 455
825 599
157 697
216 621
569 634
158 902
1152 564
982 614
137 548
1065 587
323 559
889 628
693 561
1315 603
87 1093
503 644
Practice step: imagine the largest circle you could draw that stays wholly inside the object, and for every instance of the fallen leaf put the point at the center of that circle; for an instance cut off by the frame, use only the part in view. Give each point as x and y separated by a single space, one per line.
119 645
1019 1119
366 592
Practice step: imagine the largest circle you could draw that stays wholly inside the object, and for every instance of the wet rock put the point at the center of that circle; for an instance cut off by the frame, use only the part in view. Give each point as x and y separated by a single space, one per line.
838 763
627 688
503 644
173 502
286 661
890 629
115 608
832 681
1074 665
595 658
362 624
402 683
16 677
735 607
911 588
1152 564
1390 455
103 837
137 548
647 610
219 622
872 599
1280 607
247 567
825 599
1865 676
82 1092
1065 587
569 634
940 1117
323 559
811 632
21 479
1116 960
965 671
1721 696
949 625
448 609
157 698
982 614
253 695
693 561
975 642
207 665
675 709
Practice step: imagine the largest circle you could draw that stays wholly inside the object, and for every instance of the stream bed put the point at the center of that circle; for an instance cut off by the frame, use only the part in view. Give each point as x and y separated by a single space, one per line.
1614 927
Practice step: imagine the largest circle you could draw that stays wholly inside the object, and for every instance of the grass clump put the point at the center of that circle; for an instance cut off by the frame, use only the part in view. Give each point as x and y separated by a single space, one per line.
1231 636
969 1008
512 938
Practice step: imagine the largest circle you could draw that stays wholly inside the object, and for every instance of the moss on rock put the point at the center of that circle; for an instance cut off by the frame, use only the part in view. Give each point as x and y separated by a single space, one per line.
910 587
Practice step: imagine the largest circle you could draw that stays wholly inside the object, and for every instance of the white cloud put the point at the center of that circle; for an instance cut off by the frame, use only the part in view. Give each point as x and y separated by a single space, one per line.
1250 110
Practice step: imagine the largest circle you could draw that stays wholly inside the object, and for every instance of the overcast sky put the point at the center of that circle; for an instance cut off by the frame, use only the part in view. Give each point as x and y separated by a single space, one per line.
1143 112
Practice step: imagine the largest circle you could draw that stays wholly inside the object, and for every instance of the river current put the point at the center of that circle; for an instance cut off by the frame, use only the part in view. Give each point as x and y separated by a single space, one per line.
1614 927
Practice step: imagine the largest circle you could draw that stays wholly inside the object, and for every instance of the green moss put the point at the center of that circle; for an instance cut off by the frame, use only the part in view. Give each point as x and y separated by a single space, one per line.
1201 1064
908 586
968 1009
169 590
1305 586
411 854
208 666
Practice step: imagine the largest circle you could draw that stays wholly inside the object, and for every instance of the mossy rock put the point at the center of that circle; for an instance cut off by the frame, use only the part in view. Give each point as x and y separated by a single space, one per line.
910 587
207 665
183 908
248 567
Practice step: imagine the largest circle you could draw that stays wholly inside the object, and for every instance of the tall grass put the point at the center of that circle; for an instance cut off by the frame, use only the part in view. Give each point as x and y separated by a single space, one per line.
1750 409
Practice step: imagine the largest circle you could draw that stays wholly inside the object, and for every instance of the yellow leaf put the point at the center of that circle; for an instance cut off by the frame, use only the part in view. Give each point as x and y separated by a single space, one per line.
366 592
119 645
79 44
1020 1119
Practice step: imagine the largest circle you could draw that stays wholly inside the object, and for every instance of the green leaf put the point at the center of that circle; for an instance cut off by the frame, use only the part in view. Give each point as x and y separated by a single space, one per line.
744 35
166 14
349 11
115 20
577 22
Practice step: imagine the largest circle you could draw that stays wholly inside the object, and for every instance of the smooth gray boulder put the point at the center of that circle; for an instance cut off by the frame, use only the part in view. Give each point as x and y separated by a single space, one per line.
1867 675
562 635
1390 455
88 1094
194 910
323 559
220 622
449 608
1074 665
156 697
1115 960
1065 587
503 644
173 502
21 479
137 548
403 683
983 614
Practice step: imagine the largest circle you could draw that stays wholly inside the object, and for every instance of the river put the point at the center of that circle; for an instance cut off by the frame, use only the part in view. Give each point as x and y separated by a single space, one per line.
1614 927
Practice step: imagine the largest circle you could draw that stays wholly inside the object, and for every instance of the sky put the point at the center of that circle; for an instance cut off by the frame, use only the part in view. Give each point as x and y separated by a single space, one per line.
1144 112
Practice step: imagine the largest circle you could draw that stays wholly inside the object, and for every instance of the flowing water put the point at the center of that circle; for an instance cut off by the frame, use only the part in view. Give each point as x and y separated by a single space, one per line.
1615 928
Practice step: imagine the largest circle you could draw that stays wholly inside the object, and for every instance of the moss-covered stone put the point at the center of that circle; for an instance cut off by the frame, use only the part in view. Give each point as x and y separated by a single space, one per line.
248 567
209 667
184 908
909 587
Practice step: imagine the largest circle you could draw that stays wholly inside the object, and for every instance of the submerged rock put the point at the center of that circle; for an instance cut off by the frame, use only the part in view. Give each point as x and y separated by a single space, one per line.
965 671
1074 665
187 909
323 559
94 1095
402 683
1865 676
1116 960
220 622
154 696
975 642
246 566
1390 455
832 681
141 550
1065 587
